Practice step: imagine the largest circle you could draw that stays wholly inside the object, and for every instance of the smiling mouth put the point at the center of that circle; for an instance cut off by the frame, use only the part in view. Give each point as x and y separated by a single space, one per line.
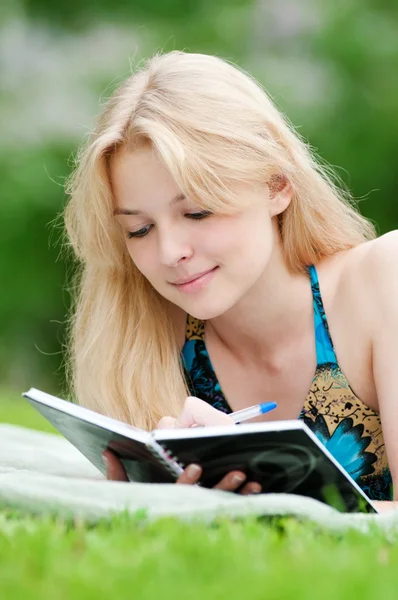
197 284
194 278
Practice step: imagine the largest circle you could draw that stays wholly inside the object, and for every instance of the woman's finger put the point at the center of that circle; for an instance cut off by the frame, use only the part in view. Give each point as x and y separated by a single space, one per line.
191 475
198 412
231 482
166 423
251 488
114 468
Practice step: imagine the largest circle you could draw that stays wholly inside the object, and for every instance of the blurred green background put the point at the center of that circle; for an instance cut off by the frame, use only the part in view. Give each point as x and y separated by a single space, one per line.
330 66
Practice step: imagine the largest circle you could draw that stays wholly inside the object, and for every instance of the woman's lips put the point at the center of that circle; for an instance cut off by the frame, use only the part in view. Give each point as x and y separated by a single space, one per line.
197 284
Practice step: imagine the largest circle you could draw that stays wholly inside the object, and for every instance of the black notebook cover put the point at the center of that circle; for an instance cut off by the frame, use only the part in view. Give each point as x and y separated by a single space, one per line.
285 457
92 433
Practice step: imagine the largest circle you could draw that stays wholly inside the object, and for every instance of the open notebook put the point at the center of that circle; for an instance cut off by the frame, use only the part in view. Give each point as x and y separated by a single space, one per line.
283 456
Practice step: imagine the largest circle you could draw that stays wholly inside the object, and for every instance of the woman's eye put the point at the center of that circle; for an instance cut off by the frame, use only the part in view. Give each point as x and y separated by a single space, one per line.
199 215
143 232
140 233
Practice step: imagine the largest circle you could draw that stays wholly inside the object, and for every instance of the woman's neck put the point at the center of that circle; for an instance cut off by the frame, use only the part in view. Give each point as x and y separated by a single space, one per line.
270 318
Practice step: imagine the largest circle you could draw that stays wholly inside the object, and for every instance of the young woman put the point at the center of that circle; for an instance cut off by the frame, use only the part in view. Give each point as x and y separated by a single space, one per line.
219 262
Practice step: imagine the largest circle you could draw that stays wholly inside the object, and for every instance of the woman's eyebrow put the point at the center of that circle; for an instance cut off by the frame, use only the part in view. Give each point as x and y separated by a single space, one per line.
126 211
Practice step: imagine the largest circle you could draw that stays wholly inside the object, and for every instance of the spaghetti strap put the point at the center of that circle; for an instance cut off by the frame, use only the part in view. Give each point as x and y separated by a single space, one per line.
325 353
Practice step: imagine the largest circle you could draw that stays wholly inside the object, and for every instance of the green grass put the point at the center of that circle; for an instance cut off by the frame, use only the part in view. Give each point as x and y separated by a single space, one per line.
16 410
45 559
50 559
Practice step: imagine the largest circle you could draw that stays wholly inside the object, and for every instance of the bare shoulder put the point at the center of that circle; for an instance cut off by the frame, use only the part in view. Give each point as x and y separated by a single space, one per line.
355 279
364 276
382 254
374 263
179 318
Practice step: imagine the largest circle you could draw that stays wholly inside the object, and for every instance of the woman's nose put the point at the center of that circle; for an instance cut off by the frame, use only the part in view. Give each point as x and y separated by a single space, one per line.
174 246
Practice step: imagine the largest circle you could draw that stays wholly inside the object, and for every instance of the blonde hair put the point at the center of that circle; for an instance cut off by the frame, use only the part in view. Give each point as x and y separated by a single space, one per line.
213 127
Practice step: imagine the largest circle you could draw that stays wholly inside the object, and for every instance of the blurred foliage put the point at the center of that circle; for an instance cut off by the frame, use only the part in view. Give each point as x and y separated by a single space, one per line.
33 300
214 25
359 43
75 13
343 99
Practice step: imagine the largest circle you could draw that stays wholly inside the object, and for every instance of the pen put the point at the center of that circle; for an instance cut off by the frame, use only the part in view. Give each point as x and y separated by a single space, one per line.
252 411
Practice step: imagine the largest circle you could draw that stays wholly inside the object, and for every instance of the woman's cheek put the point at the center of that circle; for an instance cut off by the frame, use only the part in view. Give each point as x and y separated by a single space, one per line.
147 266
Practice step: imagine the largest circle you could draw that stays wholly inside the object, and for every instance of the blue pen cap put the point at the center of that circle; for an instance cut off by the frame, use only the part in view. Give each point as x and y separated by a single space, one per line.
267 406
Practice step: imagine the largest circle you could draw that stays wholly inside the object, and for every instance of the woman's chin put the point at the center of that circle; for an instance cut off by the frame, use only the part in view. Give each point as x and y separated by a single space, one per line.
205 313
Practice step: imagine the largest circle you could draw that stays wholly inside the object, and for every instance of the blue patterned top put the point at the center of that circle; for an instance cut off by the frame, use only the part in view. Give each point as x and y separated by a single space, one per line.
348 428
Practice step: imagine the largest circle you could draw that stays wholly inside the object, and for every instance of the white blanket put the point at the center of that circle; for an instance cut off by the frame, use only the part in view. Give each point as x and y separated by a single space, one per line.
42 473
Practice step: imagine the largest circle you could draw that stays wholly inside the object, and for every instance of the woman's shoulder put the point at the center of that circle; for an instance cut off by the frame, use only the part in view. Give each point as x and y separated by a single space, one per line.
377 273
381 253
357 276
371 261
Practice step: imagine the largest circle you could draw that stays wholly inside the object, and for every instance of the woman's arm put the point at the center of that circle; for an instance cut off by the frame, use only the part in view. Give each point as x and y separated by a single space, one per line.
381 289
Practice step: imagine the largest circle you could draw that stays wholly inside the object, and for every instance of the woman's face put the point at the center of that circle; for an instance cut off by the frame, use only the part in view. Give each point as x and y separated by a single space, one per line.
170 240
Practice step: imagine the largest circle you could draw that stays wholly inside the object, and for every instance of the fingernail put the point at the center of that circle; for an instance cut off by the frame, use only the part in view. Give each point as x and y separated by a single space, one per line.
193 471
105 461
236 479
255 489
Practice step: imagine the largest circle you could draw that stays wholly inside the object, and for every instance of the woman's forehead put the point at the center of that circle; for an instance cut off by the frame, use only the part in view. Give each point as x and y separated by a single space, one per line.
139 181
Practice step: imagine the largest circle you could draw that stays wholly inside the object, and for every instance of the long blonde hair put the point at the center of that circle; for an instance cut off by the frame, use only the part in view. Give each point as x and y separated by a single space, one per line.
212 126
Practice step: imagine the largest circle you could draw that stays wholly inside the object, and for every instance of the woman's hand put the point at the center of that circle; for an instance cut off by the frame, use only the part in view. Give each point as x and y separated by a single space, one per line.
385 505
114 468
195 412
190 476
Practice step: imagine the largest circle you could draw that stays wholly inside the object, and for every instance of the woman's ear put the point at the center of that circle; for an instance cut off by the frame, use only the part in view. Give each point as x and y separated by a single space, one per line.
280 194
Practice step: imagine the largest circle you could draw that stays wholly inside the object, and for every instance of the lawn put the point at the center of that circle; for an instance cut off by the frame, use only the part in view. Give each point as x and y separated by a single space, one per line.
49 559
